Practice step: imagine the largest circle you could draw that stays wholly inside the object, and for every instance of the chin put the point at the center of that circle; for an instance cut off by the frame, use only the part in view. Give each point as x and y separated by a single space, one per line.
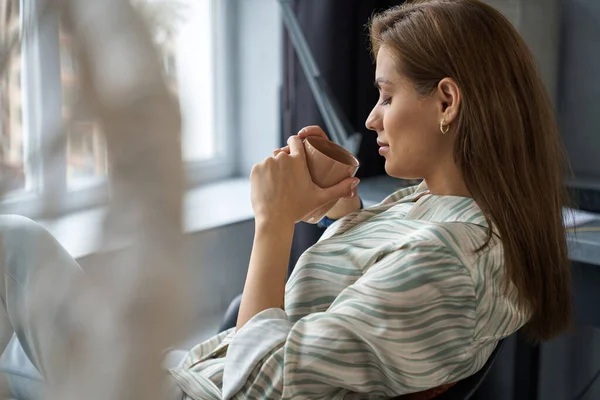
400 171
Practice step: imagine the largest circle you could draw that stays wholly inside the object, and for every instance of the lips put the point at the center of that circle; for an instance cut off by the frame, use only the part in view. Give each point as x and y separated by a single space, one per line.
384 148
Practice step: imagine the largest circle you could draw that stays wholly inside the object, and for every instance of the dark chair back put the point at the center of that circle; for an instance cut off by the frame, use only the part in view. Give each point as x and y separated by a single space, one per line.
465 389
462 390
230 317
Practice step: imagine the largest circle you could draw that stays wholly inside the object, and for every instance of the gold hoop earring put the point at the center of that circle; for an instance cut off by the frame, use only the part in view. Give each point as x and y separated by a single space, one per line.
443 127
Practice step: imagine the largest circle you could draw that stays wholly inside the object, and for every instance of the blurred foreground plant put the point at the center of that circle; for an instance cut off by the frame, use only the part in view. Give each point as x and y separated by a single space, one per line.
131 306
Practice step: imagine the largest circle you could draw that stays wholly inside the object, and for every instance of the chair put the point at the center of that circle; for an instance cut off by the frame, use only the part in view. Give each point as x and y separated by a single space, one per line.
465 389
462 390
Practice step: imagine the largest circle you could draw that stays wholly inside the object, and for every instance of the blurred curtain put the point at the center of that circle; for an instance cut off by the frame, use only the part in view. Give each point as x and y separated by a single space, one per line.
337 33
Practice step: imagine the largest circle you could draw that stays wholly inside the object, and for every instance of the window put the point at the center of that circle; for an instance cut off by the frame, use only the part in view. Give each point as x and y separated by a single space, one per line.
183 31
12 156
86 163
43 80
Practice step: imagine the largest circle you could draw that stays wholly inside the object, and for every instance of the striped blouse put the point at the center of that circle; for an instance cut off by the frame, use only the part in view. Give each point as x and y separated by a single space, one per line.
392 299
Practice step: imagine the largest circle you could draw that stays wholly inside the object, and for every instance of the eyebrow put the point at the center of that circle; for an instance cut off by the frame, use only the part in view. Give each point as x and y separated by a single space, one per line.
379 81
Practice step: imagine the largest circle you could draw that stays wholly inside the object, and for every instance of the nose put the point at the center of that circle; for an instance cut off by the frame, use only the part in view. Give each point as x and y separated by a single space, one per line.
374 121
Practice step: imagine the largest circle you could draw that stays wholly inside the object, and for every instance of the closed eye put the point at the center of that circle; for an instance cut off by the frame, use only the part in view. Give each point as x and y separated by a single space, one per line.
386 102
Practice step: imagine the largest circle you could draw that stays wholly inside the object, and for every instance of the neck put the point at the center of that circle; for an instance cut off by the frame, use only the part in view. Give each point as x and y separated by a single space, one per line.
447 181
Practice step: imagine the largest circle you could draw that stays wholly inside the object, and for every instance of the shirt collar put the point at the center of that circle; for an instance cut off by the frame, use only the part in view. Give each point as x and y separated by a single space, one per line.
436 208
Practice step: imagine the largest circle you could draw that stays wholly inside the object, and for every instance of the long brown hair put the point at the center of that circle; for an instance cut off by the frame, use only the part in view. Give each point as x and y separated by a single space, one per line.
507 142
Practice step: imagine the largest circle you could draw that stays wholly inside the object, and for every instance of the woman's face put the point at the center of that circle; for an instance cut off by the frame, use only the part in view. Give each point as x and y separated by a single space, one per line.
407 124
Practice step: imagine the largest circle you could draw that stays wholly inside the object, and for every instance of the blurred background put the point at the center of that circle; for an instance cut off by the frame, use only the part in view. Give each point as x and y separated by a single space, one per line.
242 92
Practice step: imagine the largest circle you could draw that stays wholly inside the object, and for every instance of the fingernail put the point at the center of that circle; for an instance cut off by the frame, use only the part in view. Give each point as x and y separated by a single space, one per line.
355 183
301 130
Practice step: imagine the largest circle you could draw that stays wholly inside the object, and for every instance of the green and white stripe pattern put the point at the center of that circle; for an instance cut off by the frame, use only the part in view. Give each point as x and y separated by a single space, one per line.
392 299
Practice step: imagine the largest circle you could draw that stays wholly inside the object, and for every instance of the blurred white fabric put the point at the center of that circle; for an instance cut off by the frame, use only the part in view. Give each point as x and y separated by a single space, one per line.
130 306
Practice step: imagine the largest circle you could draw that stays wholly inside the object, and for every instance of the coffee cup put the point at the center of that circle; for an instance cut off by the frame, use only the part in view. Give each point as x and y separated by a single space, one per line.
328 164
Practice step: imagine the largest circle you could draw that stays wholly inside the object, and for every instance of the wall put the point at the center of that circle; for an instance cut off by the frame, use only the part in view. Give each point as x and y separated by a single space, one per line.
218 260
580 91
538 23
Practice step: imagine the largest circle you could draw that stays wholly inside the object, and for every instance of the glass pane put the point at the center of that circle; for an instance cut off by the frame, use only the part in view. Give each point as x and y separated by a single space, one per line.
196 78
13 168
183 32
86 157
86 151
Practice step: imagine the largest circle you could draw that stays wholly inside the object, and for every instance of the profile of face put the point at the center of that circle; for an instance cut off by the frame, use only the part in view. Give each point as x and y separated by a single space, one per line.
408 124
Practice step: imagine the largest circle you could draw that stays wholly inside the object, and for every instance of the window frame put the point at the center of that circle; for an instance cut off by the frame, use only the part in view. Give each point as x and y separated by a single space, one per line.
42 108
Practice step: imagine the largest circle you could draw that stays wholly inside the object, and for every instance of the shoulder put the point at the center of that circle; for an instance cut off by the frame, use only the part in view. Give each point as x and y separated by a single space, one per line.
467 241
462 246
464 249
424 248
460 239
447 253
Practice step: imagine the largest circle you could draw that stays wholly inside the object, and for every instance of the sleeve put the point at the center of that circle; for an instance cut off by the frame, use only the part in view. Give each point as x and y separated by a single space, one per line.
405 326
326 222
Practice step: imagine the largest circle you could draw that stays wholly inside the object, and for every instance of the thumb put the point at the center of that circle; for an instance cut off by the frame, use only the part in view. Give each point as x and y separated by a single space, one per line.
341 189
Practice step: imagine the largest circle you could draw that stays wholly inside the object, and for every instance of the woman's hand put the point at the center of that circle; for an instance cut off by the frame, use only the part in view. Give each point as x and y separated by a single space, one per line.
305 132
283 191
346 204
282 194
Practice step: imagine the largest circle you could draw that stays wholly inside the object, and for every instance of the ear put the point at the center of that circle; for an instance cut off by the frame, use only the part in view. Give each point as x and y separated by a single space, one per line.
449 97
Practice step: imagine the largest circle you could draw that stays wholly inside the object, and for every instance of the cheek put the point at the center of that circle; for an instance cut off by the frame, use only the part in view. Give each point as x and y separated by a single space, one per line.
413 145
406 124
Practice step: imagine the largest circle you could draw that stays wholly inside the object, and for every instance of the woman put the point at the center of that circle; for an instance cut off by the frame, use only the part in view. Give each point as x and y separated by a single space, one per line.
415 292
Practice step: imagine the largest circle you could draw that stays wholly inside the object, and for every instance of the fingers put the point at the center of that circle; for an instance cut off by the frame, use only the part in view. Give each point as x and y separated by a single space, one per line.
280 154
352 193
296 146
285 149
312 130
345 188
